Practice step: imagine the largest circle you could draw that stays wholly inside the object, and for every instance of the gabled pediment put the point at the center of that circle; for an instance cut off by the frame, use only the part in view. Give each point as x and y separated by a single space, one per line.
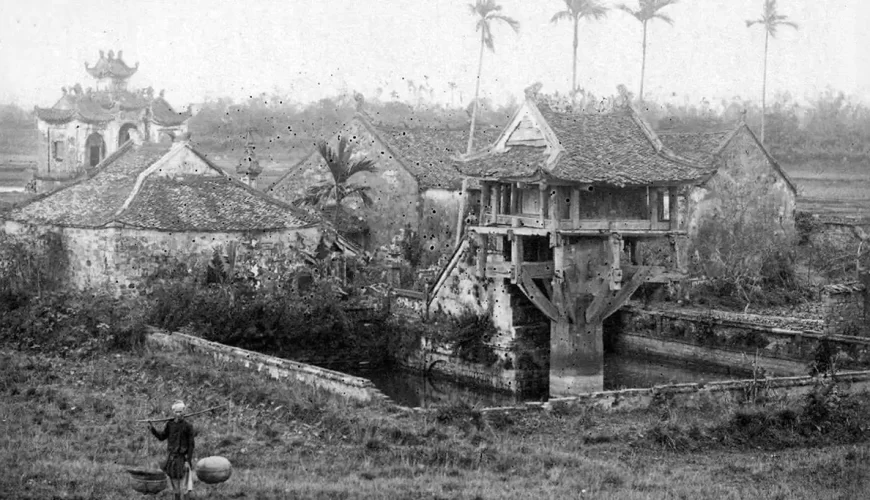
528 128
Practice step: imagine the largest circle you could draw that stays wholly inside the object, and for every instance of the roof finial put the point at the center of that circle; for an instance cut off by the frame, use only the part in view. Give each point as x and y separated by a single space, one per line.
111 54
119 54
360 100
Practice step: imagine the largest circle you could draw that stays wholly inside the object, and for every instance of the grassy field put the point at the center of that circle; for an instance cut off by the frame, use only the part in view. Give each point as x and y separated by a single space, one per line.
67 430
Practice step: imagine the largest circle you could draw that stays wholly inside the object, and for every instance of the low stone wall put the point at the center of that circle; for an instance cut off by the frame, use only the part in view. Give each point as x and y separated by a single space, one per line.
439 359
780 350
355 388
733 360
697 395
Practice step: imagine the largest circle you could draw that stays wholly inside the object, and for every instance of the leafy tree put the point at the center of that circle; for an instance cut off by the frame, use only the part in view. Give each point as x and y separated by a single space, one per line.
487 12
574 11
342 166
771 20
647 11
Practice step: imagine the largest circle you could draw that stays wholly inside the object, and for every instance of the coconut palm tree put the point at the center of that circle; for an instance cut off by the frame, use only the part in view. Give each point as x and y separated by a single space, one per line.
647 11
574 11
487 13
342 166
771 20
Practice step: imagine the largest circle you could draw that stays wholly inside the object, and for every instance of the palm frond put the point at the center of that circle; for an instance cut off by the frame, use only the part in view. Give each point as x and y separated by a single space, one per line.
513 23
315 195
664 17
562 15
359 166
362 192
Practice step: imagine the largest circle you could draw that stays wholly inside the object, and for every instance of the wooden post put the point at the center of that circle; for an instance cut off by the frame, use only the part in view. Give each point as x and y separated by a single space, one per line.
653 205
575 207
515 194
496 200
554 216
516 256
484 200
482 256
673 208
426 303
542 199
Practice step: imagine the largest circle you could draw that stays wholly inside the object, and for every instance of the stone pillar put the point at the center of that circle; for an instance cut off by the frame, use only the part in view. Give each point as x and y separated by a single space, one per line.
576 358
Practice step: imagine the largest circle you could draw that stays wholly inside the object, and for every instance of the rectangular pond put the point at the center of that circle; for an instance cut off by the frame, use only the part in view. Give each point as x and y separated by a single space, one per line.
620 372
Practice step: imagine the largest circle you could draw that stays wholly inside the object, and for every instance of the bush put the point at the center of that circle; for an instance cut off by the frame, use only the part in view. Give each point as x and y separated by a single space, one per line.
74 323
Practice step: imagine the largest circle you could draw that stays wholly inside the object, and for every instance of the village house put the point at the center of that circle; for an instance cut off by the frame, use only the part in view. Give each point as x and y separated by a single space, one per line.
149 205
415 187
85 126
569 200
740 166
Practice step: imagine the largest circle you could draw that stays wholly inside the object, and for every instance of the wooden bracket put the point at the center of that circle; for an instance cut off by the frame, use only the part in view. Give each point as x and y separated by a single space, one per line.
537 297
605 304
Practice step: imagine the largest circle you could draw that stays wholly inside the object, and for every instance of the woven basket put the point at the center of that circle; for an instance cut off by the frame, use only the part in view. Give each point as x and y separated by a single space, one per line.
147 481
211 470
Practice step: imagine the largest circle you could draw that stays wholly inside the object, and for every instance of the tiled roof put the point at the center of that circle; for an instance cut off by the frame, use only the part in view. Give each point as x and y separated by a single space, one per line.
163 114
184 203
111 66
84 108
614 148
201 203
93 201
703 147
101 107
700 147
429 153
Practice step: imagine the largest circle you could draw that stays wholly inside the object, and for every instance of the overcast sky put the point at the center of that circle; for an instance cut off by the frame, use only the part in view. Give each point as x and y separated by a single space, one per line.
201 49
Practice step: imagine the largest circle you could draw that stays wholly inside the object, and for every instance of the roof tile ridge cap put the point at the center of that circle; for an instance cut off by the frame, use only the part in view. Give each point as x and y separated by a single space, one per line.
645 127
99 167
291 170
140 178
730 137
776 165
379 137
303 215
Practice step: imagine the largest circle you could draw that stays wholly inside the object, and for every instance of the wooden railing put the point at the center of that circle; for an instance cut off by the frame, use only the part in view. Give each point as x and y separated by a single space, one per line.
569 225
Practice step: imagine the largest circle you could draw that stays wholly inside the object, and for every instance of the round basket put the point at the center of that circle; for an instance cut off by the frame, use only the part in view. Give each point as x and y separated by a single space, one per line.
147 481
212 470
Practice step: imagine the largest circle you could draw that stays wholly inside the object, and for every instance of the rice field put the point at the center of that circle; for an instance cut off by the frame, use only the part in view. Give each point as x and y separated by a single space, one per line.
833 188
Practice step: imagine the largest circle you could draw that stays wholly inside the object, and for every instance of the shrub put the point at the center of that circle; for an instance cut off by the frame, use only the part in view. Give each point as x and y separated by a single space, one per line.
75 323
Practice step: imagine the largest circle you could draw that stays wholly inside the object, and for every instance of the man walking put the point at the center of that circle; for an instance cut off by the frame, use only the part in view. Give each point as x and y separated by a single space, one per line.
179 436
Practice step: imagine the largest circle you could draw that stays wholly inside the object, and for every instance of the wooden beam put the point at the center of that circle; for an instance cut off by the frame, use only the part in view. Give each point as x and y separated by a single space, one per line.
674 208
537 297
537 270
515 199
658 274
599 310
496 199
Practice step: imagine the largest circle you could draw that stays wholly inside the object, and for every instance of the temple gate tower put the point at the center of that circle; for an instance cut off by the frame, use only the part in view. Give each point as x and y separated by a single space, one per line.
86 126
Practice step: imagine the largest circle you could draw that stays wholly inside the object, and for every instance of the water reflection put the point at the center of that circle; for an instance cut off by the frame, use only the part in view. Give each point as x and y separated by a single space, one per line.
620 371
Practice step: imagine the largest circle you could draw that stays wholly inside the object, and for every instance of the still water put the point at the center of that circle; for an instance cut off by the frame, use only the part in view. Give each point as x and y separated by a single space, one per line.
620 372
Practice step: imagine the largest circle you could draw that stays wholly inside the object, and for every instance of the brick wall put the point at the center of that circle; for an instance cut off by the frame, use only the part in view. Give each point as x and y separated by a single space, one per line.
845 308
117 260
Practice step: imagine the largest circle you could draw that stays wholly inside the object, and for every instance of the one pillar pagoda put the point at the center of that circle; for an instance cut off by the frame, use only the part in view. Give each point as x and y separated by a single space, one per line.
568 202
